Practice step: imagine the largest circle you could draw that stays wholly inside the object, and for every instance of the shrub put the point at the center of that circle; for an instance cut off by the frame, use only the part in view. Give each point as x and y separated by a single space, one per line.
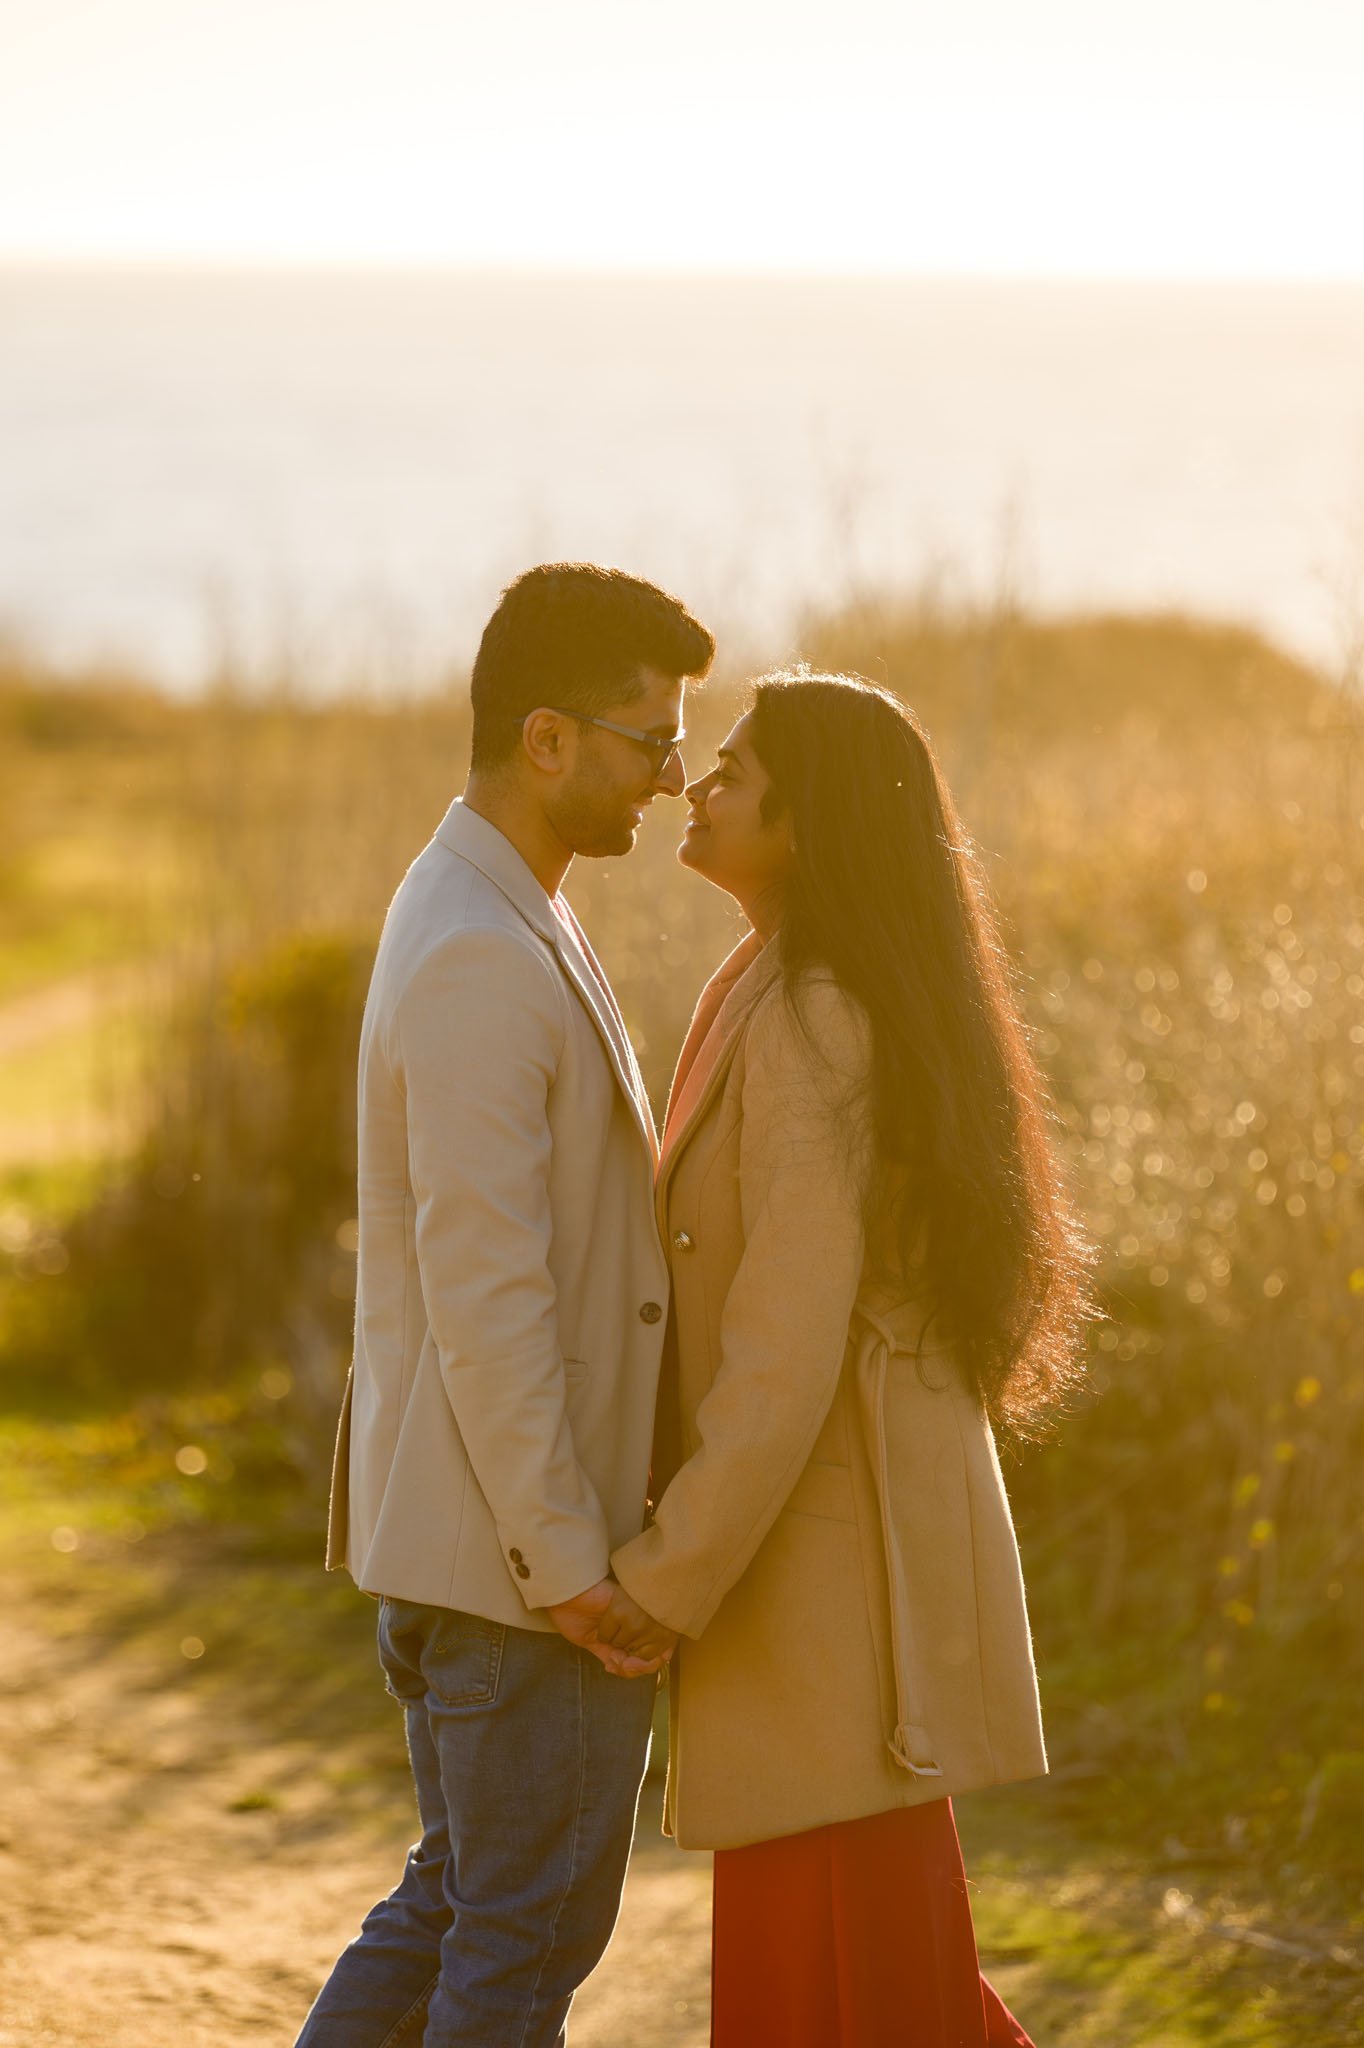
224 1244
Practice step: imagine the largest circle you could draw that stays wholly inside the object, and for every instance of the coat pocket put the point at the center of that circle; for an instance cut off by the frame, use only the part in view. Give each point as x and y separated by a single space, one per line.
824 1491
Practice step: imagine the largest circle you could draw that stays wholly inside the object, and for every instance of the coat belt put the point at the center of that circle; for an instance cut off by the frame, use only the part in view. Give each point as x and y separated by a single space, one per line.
909 1743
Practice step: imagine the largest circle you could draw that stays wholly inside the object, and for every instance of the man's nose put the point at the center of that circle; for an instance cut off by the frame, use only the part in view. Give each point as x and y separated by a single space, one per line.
672 777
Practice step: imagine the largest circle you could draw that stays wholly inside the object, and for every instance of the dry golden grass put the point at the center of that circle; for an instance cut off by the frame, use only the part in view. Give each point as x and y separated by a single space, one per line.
1173 816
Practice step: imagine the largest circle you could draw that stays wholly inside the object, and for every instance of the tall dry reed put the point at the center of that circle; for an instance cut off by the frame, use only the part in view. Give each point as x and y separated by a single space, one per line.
1173 816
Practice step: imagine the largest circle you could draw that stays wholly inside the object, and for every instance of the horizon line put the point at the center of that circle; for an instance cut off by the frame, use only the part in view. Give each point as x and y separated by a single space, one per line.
170 263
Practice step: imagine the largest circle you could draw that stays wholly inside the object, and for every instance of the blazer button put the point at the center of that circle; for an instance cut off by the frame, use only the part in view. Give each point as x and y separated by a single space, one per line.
651 1313
515 1556
523 1571
683 1241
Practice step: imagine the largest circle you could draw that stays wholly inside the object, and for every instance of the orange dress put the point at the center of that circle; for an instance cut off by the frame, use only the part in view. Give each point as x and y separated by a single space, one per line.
857 1935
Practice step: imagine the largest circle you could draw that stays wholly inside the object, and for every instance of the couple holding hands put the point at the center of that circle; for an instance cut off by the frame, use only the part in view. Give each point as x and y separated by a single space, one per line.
725 1413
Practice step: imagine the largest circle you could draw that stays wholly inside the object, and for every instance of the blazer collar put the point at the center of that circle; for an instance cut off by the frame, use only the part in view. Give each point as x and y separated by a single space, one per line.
726 1003
464 832
474 839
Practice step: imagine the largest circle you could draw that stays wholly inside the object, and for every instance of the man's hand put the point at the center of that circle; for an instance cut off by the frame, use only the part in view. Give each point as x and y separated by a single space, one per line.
583 1619
626 1626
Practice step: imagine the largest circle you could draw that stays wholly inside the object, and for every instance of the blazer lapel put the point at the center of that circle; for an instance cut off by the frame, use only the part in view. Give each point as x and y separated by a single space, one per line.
580 964
472 837
492 853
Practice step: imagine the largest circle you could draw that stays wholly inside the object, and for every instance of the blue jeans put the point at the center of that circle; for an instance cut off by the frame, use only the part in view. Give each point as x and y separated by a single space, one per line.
528 1759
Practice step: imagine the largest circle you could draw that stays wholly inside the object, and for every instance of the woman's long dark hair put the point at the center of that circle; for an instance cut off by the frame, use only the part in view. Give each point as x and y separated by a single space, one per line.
888 895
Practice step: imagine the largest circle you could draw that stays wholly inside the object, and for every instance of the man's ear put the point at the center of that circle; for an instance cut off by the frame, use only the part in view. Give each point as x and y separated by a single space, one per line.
545 737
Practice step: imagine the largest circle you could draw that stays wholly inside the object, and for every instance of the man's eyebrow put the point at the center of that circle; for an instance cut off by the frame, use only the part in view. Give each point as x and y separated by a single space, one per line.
667 732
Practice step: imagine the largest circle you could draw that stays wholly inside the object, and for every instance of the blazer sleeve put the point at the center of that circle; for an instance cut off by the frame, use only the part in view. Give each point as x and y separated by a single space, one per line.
475 1041
804 1164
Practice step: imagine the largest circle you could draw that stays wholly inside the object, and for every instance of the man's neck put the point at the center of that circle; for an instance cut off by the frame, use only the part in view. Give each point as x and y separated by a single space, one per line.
527 828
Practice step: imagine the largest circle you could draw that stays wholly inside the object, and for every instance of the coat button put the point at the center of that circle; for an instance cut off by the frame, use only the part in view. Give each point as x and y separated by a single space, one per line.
523 1571
651 1313
515 1556
683 1241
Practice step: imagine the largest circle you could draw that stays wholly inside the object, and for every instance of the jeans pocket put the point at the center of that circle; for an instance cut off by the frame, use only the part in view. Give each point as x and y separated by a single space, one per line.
463 1659
401 1633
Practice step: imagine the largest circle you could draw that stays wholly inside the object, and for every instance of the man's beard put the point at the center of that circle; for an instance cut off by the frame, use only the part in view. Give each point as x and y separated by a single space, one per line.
593 822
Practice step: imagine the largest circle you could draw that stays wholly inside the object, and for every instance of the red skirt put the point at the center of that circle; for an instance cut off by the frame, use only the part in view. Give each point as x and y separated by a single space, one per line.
853 1936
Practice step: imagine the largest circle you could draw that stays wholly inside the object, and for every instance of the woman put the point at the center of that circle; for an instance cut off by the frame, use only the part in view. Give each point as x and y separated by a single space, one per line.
872 1257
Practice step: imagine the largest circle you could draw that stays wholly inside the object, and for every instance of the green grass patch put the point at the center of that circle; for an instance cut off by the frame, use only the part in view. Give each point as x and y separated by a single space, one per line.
1085 1948
176 1534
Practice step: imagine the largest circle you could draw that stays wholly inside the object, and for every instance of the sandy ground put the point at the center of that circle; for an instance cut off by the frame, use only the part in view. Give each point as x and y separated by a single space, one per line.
92 1119
141 1911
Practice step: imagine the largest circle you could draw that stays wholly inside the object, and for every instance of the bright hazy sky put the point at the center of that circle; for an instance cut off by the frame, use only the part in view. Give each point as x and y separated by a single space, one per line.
1174 137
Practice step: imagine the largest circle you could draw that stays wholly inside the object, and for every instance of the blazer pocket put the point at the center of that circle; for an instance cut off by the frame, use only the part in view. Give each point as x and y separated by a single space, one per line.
575 1369
824 1491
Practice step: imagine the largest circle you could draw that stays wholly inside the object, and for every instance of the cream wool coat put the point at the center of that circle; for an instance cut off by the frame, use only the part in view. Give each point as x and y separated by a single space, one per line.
835 1544
495 1436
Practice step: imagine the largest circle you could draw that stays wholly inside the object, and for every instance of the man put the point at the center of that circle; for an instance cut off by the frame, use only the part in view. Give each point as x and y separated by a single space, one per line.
494 1442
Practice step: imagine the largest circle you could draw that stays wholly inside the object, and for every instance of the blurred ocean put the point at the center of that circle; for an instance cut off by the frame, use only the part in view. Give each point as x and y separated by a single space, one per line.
342 470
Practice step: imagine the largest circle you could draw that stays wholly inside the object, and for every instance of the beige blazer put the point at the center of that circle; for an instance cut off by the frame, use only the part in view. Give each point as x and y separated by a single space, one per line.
835 1547
495 1436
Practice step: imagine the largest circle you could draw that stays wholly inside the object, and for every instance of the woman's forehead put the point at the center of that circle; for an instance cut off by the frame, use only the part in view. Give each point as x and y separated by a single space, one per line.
736 741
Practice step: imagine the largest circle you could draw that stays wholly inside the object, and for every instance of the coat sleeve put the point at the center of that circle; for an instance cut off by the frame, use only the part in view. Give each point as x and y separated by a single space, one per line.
804 1164
475 1042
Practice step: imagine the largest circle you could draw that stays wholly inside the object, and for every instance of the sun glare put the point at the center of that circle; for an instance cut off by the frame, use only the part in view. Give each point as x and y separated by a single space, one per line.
1057 142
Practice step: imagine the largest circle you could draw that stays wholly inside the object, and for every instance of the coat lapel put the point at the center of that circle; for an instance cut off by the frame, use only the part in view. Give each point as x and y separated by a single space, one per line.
708 1005
709 1048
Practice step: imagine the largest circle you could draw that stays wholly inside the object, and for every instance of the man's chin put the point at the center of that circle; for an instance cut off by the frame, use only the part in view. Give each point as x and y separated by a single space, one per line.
610 845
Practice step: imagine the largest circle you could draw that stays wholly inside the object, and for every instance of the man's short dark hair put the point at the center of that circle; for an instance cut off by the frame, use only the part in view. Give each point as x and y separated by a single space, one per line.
574 636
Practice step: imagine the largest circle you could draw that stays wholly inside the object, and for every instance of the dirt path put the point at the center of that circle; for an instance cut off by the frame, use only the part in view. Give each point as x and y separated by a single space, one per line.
141 1910
186 1843
80 1121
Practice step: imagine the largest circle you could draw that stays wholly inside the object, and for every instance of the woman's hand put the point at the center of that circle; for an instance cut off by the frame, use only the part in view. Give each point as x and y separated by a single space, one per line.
614 1637
627 1627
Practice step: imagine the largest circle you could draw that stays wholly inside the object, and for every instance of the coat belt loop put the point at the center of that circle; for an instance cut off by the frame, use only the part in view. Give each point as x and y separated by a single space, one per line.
909 1743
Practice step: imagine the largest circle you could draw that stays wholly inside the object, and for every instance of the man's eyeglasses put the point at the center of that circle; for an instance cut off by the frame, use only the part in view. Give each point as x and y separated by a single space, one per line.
661 748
